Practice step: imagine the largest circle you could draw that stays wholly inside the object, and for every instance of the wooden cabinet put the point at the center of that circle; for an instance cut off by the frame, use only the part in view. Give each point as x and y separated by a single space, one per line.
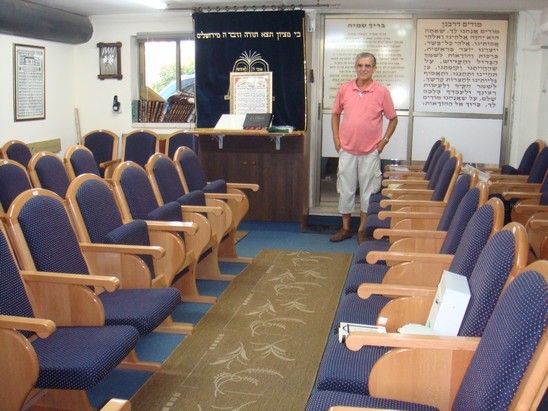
254 158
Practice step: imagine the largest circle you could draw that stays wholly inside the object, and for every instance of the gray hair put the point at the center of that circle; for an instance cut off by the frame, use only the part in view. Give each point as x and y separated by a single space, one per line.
365 55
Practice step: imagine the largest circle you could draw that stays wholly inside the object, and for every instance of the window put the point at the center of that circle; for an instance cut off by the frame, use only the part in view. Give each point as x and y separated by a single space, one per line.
166 79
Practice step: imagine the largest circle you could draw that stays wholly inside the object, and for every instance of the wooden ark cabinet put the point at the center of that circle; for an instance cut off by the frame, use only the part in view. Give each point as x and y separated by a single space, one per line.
255 157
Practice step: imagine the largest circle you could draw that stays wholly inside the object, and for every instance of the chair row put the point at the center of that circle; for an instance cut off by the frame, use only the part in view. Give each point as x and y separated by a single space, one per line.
393 282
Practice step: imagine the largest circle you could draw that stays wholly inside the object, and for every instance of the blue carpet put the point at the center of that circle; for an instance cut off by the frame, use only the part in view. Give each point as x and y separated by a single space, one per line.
158 346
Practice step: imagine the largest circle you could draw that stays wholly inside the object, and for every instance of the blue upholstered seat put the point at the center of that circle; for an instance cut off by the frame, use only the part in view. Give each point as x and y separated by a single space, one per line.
506 348
345 370
461 188
54 247
180 139
72 358
82 161
139 146
526 163
18 151
195 177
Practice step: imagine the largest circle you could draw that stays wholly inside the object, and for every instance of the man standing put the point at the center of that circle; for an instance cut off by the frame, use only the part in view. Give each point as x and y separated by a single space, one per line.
359 140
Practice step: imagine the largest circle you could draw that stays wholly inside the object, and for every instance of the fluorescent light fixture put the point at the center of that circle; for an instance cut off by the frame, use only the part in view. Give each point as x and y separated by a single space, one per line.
155 4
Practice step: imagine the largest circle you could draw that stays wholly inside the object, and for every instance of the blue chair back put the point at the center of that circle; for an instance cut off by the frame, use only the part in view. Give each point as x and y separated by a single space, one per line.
51 241
82 162
138 192
442 160
13 181
528 159
167 179
101 144
13 296
474 238
443 180
435 157
538 170
431 153
459 191
52 174
192 170
507 346
139 146
20 152
181 139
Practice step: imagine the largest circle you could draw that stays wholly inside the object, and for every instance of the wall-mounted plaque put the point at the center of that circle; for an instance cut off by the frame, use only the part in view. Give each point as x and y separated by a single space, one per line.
110 62
251 92
29 82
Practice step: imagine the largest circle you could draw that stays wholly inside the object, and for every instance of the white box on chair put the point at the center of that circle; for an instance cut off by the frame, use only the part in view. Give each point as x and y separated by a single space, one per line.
449 305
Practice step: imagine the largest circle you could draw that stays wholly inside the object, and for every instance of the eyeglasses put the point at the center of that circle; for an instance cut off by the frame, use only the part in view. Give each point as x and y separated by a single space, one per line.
367 66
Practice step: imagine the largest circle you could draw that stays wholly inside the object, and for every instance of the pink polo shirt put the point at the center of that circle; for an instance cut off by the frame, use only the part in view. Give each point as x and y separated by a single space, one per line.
361 125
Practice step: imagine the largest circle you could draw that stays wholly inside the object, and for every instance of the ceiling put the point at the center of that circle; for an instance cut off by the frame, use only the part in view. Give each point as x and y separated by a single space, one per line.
102 7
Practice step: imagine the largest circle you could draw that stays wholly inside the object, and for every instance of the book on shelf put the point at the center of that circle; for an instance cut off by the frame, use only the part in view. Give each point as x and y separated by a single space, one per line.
257 121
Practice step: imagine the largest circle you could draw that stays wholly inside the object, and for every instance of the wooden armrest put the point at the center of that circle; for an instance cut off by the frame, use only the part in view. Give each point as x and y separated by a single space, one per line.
538 223
382 232
42 328
225 196
521 208
117 405
203 209
152 250
244 186
503 186
412 203
399 181
356 340
508 195
406 191
366 290
105 164
177 226
508 178
374 256
108 283
424 215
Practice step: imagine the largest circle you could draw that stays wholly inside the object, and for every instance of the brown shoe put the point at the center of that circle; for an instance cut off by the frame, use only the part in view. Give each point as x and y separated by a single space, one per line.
362 237
342 234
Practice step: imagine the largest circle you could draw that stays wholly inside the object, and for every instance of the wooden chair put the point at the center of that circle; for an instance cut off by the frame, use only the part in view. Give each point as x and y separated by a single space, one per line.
18 151
50 245
525 164
52 337
117 405
97 219
104 146
454 373
139 145
168 187
537 232
136 199
79 160
46 170
193 177
526 204
397 170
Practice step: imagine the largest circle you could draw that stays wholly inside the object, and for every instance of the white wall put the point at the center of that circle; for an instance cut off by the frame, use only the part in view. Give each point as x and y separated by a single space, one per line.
71 82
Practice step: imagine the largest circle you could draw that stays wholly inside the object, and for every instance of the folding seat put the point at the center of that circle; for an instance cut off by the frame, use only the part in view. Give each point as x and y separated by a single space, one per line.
505 369
363 308
104 146
46 170
441 191
50 245
53 342
13 181
420 265
501 259
97 219
139 145
405 223
194 178
525 204
168 187
79 160
179 139
136 199
18 151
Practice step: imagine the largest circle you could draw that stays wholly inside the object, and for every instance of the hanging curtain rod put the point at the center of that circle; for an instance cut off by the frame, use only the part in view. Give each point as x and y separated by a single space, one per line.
273 7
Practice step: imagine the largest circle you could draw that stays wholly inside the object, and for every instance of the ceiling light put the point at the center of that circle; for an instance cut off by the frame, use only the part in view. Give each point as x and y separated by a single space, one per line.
155 4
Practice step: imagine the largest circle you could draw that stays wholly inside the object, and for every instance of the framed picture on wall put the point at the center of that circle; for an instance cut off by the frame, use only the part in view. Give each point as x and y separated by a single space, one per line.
29 82
110 63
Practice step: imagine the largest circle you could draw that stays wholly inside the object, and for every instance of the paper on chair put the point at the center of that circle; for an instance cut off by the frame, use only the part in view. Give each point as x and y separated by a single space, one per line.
347 328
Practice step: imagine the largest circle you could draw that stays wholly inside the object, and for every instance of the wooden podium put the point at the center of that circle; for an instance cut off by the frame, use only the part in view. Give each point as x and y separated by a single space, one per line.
275 161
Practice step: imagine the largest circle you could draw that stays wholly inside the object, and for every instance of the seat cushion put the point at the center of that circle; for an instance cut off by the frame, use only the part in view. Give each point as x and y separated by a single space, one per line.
77 358
372 222
144 309
217 186
367 246
344 370
353 309
364 273
323 400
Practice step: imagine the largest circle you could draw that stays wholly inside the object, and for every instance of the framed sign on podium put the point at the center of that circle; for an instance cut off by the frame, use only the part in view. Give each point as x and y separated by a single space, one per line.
250 92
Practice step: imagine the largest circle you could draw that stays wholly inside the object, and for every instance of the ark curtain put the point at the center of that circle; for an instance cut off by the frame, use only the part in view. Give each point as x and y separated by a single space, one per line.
224 37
